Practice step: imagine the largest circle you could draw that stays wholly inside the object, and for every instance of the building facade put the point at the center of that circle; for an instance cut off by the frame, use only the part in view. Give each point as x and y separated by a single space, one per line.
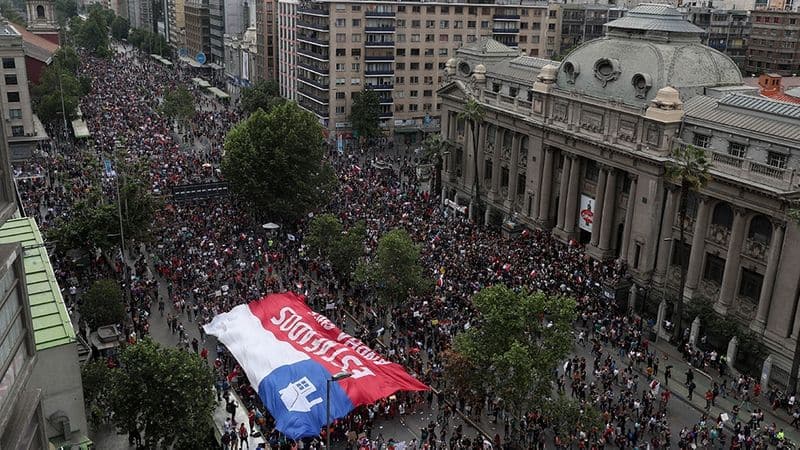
579 148
581 23
177 23
287 48
42 19
267 39
140 15
198 29
727 30
216 21
774 44
399 50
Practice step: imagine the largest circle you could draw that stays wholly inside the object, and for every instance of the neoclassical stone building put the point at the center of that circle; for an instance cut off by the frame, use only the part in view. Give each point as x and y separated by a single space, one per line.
579 147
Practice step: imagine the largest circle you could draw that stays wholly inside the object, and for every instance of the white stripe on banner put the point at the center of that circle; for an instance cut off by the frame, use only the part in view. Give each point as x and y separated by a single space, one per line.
238 328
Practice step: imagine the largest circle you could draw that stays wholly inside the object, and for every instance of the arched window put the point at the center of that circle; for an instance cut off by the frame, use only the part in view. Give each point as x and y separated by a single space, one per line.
491 134
691 205
40 12
760 229
507 139
523 146
723 215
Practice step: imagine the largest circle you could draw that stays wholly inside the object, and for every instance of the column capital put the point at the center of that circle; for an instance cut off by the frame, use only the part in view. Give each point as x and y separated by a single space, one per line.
777 223
608 168
702 198
739 211
671 187
632 176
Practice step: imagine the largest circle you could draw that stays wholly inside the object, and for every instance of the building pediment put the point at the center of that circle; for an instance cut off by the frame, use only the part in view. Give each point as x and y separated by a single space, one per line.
455 89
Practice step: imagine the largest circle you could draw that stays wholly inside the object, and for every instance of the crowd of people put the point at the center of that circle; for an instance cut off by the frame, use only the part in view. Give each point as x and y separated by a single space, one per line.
212 256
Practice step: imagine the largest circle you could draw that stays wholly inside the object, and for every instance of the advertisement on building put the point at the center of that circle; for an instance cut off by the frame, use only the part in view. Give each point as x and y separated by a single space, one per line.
586 210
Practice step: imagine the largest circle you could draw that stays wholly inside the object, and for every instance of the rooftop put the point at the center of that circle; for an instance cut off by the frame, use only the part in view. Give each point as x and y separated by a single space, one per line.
654 17
756 115
51 323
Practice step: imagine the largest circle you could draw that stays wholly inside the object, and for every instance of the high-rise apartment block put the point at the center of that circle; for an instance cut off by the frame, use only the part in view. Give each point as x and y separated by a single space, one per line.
177 22
399 50
287 44
267 39
774 43
727 30
198 28
583 22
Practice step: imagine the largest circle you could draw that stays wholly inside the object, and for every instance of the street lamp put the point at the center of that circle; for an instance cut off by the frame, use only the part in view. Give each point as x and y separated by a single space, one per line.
336 377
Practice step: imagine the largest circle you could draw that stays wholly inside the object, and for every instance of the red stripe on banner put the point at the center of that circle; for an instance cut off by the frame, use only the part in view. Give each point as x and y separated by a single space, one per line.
290 319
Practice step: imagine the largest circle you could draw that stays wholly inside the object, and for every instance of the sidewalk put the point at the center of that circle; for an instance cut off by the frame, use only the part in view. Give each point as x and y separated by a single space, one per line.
704 382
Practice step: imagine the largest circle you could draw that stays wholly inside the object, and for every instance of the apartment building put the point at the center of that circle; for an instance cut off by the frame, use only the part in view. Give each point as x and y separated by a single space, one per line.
177 23
198 30
727 30
267 39
774 44
140 15
399 50
581 23
216 20
287 44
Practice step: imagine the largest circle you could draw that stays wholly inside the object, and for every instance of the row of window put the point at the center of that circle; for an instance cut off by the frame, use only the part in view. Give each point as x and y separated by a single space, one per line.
775 19
714 270
739 150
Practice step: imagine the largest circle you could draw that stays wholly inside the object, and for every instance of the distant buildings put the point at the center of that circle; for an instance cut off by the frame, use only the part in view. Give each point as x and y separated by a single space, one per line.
774 45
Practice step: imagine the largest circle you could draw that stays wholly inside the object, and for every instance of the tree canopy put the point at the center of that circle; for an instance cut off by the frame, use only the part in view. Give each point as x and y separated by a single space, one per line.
263 94
395 272
512 351
91 34
102 304
65 10
163 392
341 248
11 12
119 28
275 163
147 41
178 104
365 114
47 95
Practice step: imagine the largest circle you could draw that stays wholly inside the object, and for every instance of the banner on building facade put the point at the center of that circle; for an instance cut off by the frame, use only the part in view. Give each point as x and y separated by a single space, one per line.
586 213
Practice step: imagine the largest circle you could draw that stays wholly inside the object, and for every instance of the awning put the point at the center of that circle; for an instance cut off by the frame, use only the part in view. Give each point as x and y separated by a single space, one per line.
80 129
191 62
199 82
218 93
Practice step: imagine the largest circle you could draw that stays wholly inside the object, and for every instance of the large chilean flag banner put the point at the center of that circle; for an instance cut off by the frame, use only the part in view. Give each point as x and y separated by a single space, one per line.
289 352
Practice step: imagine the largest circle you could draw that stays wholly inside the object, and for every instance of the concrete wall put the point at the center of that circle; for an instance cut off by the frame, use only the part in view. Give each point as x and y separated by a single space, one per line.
58 373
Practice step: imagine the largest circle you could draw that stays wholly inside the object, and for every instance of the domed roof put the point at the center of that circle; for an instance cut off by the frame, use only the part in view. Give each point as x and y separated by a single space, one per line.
648 49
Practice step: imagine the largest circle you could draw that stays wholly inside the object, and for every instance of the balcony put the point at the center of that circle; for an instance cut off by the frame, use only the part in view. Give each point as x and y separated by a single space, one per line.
505 30
369 13
381 29
749 170
508 17
312 26
385 114
317 98
386 58
313 40
323 71
313 12
308 105
379 44
310 81
378 71
313 55
386 100
380 86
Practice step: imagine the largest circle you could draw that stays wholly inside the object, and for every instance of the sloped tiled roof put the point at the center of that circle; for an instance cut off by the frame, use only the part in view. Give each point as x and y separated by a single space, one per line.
523 69
36 46
655 17
487 46
51 323
753 114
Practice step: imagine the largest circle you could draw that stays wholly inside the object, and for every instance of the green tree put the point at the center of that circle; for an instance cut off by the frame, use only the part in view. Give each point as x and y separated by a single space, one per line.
91 34
275 163
179 105
119 28
436 147
11 12
47 95
690 170
516 344
569 418
341 248
474 113
323 231
102 304
94 377
163 392
365 114
67 59
263 94
65 10
395 272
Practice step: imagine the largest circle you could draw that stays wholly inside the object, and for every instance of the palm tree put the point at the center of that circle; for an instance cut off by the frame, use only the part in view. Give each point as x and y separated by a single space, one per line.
436 147
689 169
473 113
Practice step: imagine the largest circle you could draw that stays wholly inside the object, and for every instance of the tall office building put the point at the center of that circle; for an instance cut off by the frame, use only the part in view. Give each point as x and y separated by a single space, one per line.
268 38
216 17
727 30
177 23
287 48
198 29
399 50
774 43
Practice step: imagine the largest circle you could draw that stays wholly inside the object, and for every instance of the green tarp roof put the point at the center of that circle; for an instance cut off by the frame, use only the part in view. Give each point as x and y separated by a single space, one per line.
51 324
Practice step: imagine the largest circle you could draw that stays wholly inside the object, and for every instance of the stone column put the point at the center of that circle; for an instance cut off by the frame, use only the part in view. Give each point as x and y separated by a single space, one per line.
571 214
731 276
546 188
698 245
626 231
445 125
513 167
765 298
667 222
599 197
609 210
479 153
562 191
498 142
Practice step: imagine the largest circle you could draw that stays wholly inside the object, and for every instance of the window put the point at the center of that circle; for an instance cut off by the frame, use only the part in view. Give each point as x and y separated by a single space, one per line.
340 81
592 171
414 38
12 97
415 23
701 140
414 66
341 52
750 285
471 24
356 67
339 67
444 24
401 37
413 80
442 52
11 79
427 93
355 37
760 230
427 80
355 81
414 52
340 96
356 8
341 23
398 108
715 268
687 250
496 87
430 37
413 107
551 27
340 110
355 52
356 22
17 130
401 52
513 91
400 66
15 113
415 9
458 24
401 9
774 159
428 52
341 37
430 10
399 80
444 10
459 10
413 94
400 23
737 150
430 24
443 38
484 24
722 215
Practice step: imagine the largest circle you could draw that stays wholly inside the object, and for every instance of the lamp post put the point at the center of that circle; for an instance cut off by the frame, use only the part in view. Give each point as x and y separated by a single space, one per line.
336 377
